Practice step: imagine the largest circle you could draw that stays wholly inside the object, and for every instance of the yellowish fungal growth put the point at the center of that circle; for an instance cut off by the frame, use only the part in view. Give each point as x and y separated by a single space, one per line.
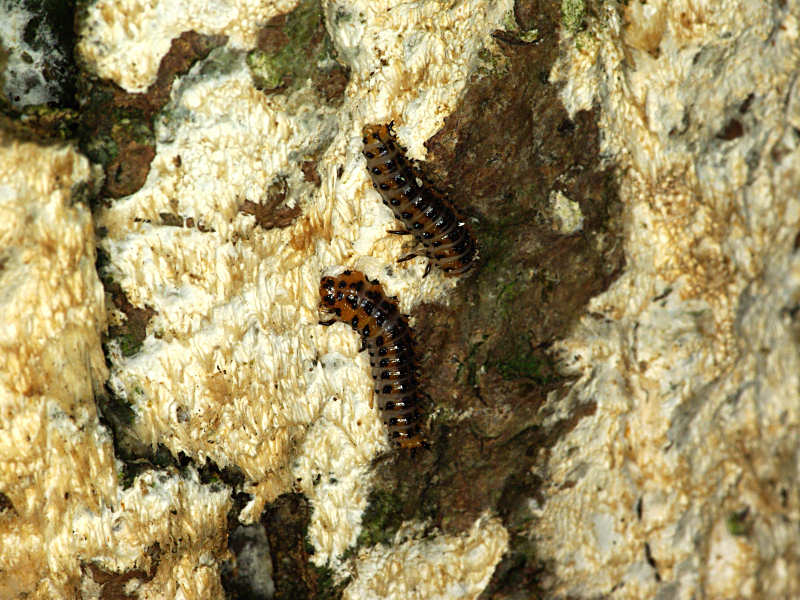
235 367
64 519
691 357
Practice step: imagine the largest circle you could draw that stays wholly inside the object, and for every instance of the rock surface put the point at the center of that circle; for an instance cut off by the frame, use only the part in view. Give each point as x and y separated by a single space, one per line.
613 392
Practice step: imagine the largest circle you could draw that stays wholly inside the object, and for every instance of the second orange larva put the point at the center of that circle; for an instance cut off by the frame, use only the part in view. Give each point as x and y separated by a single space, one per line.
385 334
426 214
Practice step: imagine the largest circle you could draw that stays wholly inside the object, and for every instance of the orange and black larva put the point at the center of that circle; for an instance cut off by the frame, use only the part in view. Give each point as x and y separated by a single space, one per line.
354 299
428 216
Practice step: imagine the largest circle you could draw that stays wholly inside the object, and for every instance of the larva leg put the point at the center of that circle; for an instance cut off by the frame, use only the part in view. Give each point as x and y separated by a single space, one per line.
406 257
398 232
427 270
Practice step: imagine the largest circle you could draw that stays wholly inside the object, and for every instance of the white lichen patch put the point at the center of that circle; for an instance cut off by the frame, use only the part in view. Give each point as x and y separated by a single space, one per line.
125 40
690 358
31 56
566 214
445 567
62 510
235 366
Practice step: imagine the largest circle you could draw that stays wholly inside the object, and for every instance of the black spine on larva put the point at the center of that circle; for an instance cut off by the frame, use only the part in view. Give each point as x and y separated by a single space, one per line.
427 215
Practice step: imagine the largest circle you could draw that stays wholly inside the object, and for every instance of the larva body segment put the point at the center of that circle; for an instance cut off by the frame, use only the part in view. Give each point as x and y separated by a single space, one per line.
426 214
354 299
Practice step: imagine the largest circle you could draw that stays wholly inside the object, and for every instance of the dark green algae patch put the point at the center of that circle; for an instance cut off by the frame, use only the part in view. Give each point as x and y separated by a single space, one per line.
48 31
295 47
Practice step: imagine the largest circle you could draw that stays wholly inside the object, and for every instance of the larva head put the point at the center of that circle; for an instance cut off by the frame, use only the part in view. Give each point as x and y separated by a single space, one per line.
376 133
339 295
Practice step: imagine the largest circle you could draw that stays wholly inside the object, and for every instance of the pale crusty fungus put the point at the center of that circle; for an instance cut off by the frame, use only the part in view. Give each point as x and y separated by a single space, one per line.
691 357
440 567
65 521
235 367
